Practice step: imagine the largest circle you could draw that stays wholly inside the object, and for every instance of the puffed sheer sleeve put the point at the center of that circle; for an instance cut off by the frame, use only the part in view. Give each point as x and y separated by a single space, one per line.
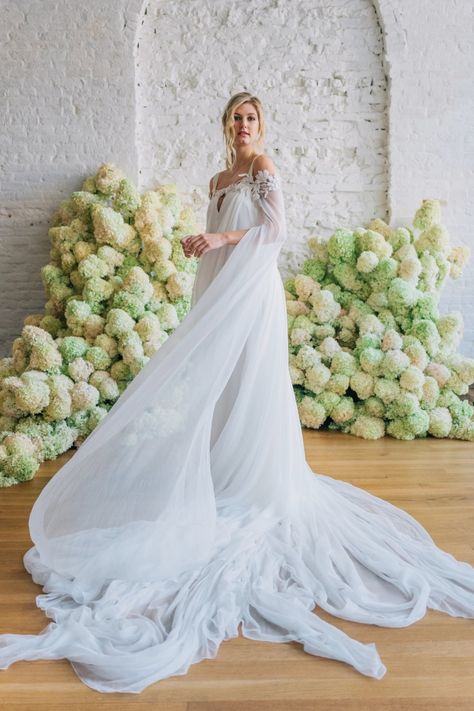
266 190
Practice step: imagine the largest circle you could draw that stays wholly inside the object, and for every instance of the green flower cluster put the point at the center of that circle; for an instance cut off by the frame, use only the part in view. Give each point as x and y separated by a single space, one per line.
370 353
118 284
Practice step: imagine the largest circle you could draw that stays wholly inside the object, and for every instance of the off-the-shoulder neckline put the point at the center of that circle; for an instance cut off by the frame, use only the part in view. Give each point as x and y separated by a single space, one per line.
250 178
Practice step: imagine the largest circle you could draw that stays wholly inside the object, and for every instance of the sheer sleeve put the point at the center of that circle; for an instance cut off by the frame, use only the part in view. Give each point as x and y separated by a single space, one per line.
266 189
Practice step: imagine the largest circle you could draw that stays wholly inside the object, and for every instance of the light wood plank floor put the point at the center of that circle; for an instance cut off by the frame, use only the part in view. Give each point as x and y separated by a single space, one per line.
430 665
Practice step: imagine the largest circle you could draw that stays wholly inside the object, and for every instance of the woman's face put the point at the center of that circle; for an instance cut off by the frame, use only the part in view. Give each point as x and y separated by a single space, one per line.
245 125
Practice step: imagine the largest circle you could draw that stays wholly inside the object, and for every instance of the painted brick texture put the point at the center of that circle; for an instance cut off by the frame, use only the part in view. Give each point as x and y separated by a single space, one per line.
366 114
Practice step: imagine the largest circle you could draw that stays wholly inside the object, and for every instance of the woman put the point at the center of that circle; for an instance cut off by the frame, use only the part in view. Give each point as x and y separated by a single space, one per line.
191 509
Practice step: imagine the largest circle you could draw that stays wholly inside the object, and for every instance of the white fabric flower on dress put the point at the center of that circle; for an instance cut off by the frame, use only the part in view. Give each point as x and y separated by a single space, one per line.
263 183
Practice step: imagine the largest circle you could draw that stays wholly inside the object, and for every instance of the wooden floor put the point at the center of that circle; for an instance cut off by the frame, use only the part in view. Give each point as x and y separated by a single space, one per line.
430 665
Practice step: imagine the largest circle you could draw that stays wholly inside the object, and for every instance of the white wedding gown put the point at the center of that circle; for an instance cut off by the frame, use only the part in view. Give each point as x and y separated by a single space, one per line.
191 508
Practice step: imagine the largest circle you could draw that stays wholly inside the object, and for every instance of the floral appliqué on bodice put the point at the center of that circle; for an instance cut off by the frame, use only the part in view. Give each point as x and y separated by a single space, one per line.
259 186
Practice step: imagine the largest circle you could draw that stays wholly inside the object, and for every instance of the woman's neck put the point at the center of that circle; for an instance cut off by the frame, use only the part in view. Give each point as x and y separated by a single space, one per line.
243 158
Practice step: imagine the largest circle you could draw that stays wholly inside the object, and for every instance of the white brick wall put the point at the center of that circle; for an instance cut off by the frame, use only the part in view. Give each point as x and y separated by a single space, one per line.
66 103
429 47
366 105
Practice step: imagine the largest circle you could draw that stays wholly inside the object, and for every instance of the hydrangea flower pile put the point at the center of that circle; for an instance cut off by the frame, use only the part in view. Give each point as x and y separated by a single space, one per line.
370 353
118 284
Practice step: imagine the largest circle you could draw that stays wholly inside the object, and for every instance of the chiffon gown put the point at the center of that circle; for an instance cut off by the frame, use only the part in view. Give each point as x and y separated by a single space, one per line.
191 510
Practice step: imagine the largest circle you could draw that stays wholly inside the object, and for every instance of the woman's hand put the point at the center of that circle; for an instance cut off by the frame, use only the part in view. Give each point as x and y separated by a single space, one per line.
198 244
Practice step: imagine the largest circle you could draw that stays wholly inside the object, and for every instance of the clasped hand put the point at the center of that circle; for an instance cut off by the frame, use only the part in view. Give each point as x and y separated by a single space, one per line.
198 244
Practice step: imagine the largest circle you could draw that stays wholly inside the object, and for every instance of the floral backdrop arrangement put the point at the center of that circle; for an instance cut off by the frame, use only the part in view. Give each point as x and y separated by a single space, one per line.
370 353
118 284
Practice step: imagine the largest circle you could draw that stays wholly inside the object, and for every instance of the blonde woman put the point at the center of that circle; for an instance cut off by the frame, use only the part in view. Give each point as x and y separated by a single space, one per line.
191 510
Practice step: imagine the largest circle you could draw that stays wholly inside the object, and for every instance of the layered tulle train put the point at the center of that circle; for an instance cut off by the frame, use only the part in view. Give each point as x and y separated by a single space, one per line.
349 553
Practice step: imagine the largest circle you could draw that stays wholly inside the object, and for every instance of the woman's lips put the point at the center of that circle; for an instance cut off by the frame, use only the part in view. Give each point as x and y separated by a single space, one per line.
243 133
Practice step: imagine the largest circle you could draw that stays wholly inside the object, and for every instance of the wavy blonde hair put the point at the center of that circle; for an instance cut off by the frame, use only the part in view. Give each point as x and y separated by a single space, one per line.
228 124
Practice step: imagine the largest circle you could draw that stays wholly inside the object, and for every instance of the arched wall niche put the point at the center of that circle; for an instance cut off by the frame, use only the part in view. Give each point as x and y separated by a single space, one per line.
327 131
372 118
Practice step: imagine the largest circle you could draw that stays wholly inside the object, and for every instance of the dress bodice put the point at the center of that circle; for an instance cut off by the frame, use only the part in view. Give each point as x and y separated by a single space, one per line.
234 207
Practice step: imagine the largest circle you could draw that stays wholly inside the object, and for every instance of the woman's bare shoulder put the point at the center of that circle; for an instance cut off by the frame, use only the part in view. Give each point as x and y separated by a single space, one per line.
263 162
221 176
211 184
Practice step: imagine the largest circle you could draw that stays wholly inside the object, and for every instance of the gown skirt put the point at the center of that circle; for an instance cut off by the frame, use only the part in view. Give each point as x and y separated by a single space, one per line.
191 508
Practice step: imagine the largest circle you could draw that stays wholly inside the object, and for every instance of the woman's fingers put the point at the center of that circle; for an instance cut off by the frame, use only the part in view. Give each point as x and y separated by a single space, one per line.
186 244
194 244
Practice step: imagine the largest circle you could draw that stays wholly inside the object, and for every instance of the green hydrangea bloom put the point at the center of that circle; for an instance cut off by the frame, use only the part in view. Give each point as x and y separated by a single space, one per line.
131 304
344 410
328 400
428 214
450 324
399 238
418 422
394 363
387 318
383 274
168 317
417 355
440 422
405 404
368 340
338 383
443 269
316 377
322 332
430 393
93 266
20 466
344 364
427 334
312 414
426 307
306 357
126 199
401 294
99 358
372 241
319 247
367 261
375 407
435 240
362 384
368 427
325 308
304 322
372 360
289 285
315 269
342 247
378 300
386 389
